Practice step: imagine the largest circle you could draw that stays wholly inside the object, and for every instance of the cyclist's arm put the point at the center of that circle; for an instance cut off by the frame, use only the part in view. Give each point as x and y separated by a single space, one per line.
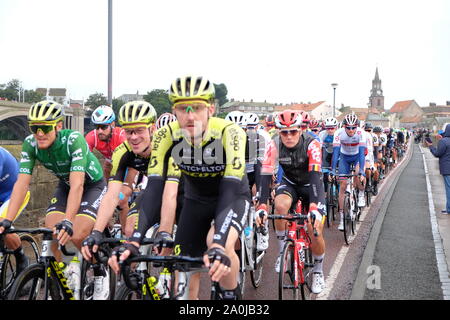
107 206
316 187
267 168
336 151
169 207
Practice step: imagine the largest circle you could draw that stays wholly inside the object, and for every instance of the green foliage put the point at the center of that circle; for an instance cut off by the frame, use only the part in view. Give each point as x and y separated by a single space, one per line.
159 99
10 90
221 93
116 104
95 100
32 96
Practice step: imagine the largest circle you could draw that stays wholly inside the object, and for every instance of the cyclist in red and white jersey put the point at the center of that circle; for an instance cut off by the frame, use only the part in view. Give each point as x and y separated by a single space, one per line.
106 137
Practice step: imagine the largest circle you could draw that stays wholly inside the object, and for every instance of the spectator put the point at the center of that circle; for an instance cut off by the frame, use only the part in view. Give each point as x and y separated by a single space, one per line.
443 153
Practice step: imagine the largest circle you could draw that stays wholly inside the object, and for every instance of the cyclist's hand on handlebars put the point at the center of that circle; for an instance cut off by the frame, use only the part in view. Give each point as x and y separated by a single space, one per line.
5 225
90 244
121 253
361 177
261 215
64 231
317 220
162 240
218 262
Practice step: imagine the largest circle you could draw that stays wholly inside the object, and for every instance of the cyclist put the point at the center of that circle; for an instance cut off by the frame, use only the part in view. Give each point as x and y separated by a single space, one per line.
165 119
326 137
372 148
349 148
390 145
300 155
257 141
65 153
209 152
9 170
382 140
106 137
137 119
315 127
270 125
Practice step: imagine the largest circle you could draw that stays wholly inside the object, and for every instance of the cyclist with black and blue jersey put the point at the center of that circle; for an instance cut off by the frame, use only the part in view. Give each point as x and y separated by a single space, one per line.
9 169
326 138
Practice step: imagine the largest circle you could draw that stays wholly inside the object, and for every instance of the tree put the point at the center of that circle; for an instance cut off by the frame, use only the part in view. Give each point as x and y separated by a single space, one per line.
32 96
10 91
116 104
159 99
221 93
95 100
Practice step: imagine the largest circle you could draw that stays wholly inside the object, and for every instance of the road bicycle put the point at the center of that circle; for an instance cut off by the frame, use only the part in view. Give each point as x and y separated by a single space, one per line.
351 209
45 279
250 258
8 266
332 196
368 190
296 261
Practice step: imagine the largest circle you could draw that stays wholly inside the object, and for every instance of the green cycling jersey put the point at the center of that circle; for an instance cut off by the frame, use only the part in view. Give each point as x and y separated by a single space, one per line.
68 153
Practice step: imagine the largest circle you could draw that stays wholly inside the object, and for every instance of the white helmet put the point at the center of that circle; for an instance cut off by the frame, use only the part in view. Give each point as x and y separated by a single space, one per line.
165 119
350 119
103 115
252 119
331 122
237 117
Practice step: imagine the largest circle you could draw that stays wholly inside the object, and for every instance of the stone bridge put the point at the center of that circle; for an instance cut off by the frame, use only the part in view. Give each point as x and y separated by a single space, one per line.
14 125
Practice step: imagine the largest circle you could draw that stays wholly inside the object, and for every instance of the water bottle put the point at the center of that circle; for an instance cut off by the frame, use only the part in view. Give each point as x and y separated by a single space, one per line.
163 285
117 231
73 275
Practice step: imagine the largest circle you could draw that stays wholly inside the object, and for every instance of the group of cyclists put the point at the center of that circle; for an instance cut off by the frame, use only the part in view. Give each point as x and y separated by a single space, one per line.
203 174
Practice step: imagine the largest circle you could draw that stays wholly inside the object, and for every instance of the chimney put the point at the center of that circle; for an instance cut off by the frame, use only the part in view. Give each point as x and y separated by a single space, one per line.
432 104
448 103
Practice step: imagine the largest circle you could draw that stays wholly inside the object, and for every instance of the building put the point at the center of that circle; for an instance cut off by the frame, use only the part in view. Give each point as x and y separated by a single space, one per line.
55 94
376 99
434 111
131 97
408 109
318 110
260 108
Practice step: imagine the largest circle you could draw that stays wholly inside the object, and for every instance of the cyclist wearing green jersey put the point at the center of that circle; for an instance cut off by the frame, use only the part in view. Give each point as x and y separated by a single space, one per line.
210 153
65 153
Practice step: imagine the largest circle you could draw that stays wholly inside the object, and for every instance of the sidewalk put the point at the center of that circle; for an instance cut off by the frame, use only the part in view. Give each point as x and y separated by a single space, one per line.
439 200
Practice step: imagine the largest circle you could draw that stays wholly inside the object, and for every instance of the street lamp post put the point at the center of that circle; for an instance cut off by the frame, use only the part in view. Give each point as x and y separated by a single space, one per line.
334 85
110 6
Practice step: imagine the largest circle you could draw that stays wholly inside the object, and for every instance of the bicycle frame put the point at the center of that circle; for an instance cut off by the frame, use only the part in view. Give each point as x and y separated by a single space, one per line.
247 245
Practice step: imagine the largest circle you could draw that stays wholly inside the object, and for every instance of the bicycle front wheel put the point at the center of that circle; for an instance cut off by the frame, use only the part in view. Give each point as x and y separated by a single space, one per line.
29 285
347 219
287 289
125 293
257 270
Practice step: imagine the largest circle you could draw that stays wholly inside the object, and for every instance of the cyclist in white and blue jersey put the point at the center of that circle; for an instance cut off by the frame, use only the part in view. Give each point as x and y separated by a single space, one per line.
326 138
349 146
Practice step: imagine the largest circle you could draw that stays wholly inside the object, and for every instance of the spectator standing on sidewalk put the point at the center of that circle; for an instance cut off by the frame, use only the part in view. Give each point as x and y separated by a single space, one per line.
442 151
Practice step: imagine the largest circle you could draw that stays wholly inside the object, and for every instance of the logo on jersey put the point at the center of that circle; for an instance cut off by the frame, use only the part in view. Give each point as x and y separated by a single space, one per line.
77 155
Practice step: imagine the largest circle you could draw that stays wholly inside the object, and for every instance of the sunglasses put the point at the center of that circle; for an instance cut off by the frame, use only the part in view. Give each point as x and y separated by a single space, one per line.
285 133
137 131
45 128
351 128
102 127
368 130
314 130
191 107
332 128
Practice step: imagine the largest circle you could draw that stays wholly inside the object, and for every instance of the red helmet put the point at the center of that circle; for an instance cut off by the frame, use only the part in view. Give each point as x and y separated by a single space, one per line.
314 124
270 120
288 119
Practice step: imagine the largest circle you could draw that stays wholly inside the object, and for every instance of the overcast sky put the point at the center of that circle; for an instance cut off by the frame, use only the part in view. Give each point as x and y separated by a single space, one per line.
280 51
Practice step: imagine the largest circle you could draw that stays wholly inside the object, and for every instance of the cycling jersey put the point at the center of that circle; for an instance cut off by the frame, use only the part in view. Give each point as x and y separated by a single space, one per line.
124 158
327 148
255 148
106 148
9 169
272 132
68 153
214 173
350 148
301 165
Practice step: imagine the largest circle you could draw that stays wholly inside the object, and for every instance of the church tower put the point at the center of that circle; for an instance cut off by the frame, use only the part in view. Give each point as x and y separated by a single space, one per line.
376 99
